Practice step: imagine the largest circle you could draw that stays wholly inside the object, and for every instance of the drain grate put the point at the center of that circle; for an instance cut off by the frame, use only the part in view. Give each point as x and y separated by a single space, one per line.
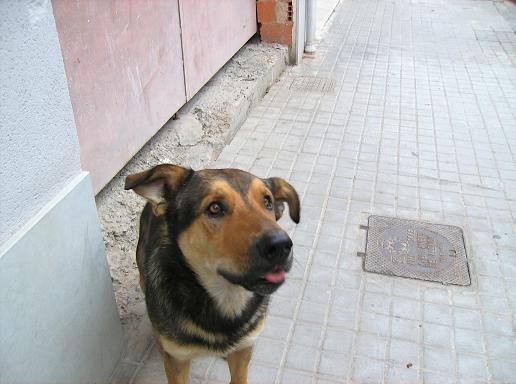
313 83
416 250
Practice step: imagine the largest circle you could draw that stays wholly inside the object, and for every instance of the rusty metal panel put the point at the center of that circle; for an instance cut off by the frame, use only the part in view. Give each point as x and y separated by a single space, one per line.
213 31
417 250
124 66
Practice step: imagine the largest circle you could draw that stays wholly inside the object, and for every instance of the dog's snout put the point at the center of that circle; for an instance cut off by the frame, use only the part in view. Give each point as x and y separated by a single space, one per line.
275 246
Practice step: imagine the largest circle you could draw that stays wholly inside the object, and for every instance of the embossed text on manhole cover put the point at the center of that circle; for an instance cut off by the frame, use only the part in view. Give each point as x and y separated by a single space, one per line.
313 83
417 250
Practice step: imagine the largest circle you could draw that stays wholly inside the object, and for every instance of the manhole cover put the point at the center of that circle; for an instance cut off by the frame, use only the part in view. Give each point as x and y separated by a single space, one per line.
313 83
417 250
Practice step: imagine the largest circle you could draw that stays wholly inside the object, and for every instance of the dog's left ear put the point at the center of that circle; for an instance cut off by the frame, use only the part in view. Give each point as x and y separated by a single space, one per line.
284 192
157 183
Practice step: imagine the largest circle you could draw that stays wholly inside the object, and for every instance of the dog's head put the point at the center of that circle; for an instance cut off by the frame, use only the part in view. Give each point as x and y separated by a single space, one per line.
224 221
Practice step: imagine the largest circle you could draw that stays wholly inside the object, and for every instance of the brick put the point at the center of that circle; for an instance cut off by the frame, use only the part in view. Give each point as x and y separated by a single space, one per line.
266 11
282 12
276 33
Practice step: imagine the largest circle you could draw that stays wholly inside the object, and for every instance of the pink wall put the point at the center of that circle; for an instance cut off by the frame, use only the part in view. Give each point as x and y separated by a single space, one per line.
124 64
125 75
213 31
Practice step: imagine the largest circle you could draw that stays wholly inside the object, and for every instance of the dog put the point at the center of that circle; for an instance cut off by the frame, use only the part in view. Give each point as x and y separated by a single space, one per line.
210 253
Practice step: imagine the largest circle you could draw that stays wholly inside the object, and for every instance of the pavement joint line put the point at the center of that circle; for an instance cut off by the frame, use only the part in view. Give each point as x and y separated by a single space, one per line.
317 232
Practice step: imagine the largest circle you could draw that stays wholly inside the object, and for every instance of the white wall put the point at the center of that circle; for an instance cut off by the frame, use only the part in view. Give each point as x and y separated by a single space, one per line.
39 150
58 318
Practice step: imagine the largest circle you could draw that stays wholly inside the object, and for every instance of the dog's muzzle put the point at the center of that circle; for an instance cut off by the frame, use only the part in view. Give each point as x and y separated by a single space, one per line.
271 259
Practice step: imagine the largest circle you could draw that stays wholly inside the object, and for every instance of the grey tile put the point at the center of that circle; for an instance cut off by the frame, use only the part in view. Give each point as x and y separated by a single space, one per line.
259 373
406 308
471 366
317 292
307 334
402 374
152 370
312 312
292 376
404 353
406 288
439 360
320 274
333 380
282 307
374 323
430 377
344 298
338 340
342 318
501 347
277 327
219 372
498 324
468 341
369 345
268 351
334 364
376 302
301 358
437 335
406 329
124 373
502 371
367 371
438 314
464 318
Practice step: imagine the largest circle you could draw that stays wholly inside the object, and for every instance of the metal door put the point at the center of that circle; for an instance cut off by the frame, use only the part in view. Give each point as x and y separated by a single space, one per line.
125 75
212 32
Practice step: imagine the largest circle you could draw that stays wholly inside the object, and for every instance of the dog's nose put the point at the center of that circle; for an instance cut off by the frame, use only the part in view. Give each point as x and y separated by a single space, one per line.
274 246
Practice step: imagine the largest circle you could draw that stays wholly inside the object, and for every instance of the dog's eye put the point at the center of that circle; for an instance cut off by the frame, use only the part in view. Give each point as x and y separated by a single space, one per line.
268 202
215 209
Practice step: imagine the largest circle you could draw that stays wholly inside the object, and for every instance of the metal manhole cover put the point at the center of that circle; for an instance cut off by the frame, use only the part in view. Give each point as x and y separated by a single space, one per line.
313 83
416 250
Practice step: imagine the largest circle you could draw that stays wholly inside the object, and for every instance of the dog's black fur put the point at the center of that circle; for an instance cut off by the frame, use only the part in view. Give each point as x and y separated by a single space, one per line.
173 292
173 289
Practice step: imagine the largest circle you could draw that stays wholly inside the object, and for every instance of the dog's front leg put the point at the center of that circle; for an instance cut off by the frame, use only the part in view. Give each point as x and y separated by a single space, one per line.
177 371
238 362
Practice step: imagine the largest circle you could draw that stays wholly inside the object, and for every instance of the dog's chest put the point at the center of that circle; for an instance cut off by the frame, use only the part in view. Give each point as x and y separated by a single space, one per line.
187 352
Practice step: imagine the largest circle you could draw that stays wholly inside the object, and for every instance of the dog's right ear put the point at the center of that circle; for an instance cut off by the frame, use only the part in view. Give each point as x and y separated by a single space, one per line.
156 183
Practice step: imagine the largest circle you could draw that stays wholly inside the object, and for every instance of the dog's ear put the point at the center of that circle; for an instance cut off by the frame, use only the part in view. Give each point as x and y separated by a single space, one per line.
156 183
284 192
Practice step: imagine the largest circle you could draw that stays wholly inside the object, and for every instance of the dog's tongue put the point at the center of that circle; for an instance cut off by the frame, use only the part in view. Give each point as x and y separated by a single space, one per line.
275 277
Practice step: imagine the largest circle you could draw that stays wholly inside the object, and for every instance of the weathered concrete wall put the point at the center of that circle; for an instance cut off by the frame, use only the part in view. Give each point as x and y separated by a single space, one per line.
39 151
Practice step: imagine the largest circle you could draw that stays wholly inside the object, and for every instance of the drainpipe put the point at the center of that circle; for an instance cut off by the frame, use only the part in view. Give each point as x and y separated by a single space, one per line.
310 26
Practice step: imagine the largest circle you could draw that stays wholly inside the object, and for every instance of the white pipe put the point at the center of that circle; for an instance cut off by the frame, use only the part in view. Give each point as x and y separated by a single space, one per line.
310 26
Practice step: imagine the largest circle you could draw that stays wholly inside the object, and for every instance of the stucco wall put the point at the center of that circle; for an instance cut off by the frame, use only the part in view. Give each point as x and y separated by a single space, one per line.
39 150
58 319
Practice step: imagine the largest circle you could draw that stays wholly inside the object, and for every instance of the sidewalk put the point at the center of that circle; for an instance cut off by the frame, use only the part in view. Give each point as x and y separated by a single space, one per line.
323 13
417 121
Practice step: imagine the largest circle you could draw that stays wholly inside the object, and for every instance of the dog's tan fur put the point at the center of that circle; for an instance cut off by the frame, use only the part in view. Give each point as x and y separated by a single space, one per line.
198 246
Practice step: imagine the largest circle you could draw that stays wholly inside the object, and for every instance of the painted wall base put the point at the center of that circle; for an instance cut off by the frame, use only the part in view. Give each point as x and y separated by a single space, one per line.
58 318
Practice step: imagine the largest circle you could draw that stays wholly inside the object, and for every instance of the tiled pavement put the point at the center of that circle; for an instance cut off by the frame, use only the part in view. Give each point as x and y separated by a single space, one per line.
323 12
421 124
